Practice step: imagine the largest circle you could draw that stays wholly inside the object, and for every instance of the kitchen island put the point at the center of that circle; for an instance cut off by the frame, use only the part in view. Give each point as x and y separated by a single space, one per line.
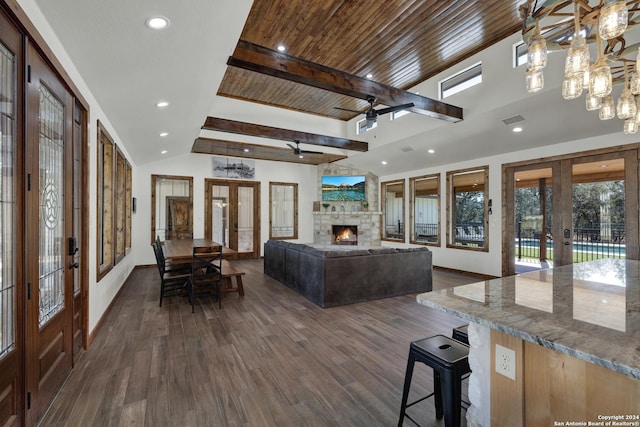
565 340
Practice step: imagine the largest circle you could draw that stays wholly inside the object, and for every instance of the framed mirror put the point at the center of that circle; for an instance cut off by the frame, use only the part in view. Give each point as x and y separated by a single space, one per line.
424 205
467 209
392 196
283 210
172 202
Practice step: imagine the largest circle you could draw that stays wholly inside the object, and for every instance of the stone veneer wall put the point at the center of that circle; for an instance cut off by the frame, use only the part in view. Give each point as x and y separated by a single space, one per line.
348 213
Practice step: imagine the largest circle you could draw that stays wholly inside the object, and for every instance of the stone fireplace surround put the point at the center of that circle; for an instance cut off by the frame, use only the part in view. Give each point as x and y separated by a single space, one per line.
348 213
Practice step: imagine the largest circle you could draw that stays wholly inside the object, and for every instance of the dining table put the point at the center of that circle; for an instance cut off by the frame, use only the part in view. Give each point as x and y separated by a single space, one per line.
181 250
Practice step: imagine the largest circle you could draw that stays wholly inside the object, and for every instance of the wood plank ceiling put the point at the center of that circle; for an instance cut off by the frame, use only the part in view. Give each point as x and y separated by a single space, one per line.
400 42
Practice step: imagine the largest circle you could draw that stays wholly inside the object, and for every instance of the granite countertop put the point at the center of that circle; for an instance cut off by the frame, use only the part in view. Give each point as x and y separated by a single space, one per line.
589 310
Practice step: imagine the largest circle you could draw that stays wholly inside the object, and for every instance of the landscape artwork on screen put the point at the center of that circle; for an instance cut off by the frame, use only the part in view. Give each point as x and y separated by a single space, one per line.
343 188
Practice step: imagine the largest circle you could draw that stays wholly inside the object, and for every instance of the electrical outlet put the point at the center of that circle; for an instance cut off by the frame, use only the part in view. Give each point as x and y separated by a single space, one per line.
506 362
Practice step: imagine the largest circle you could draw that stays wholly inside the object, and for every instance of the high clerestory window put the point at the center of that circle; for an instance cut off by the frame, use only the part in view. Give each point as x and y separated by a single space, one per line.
461 81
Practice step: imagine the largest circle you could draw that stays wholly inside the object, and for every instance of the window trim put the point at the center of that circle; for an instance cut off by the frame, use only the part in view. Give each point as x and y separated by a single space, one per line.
412 185
383 216
460 81
272 185
450 210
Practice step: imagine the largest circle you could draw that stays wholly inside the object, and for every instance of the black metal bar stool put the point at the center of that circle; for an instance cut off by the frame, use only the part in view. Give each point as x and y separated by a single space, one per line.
449 360
461 333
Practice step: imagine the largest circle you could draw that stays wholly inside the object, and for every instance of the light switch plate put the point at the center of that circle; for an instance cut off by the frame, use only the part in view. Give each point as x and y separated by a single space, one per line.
506 362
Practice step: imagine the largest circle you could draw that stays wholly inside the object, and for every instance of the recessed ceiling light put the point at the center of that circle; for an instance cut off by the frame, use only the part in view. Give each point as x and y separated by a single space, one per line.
369 76
281 48
164 133
163 152
157 22
246 150
162 104
431 151
384 162
604 165
301 156
517 129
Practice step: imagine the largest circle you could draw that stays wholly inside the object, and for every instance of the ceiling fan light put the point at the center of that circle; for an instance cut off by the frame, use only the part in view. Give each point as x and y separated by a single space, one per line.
572 86
535 80
593 102
613 19
630 126
600 81
607 110
578 57
626 105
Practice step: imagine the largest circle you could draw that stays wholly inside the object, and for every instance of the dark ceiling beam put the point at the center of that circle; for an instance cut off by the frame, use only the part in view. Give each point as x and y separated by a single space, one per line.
260 152
252 129
259 59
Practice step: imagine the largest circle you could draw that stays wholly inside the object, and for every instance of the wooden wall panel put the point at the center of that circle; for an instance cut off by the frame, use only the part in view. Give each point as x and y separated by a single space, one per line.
507 398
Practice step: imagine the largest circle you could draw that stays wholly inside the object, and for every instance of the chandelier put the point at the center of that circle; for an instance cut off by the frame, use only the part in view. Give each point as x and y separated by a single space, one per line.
573 25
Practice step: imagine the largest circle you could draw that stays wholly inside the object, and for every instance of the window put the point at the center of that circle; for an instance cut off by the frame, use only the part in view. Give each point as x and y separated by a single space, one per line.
362 126
283 210
114 203
105 202
392 195
397 114
172 201
461 81
519 54
425 209
467 208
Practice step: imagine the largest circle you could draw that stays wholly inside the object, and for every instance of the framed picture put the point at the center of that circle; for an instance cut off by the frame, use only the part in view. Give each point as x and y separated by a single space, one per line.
225 167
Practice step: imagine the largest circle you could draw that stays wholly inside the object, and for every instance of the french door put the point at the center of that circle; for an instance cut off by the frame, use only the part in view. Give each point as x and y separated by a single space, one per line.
232 215
49 254
573 209
12 346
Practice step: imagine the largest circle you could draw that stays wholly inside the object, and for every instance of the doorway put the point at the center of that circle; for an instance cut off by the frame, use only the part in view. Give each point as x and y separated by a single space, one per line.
574 209
232 215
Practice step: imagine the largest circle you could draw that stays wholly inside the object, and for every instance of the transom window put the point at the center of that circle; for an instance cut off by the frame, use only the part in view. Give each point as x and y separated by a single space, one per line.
461 81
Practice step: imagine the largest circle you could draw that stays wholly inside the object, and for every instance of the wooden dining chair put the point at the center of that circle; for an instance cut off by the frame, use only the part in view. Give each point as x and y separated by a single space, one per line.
172 281
206 273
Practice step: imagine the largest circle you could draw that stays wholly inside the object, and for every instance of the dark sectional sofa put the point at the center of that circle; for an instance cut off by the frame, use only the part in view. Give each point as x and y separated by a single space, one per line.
336 275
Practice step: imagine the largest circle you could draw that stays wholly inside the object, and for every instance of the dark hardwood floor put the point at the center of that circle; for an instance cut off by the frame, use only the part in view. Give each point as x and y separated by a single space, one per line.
270 358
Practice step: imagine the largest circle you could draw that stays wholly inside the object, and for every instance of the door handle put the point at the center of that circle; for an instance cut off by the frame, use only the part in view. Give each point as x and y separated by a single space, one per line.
74 265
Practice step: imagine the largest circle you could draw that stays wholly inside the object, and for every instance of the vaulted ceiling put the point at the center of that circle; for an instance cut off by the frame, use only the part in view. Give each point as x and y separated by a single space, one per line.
400 43
331 45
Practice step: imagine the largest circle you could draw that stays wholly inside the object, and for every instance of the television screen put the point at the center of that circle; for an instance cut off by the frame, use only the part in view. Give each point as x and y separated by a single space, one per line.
341 188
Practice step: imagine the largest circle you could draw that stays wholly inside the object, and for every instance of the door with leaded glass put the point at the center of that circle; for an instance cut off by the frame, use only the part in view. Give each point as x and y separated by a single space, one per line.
49 225
11 275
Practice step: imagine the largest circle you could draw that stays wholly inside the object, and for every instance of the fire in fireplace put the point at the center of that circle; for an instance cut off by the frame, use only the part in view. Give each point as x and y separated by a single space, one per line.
345 234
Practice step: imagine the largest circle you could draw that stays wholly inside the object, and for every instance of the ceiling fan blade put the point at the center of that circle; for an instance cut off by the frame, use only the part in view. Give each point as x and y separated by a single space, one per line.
292 147
351 111
310 152
395 108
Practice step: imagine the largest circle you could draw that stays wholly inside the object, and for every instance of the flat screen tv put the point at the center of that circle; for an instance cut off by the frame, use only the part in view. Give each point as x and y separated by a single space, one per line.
343 188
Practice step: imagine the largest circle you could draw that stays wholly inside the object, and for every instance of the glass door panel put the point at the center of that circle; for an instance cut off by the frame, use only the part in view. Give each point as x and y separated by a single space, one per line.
220 217
598 210
245 219
51 157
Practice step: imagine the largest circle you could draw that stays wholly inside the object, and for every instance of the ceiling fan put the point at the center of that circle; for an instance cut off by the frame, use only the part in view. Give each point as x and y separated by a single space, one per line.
298 152
372 114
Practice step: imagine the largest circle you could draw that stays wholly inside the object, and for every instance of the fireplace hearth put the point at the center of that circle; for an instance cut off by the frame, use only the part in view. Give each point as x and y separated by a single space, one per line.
344 234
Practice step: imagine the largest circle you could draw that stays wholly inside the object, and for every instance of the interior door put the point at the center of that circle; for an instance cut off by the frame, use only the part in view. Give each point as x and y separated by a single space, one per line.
178 218
571 210
11 274
49 211
232 215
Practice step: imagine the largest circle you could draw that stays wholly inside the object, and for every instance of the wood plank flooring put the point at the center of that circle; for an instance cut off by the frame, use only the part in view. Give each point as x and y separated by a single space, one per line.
270 358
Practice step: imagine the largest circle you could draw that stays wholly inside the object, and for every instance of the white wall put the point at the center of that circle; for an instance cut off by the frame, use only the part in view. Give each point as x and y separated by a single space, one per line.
200 166
100 293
